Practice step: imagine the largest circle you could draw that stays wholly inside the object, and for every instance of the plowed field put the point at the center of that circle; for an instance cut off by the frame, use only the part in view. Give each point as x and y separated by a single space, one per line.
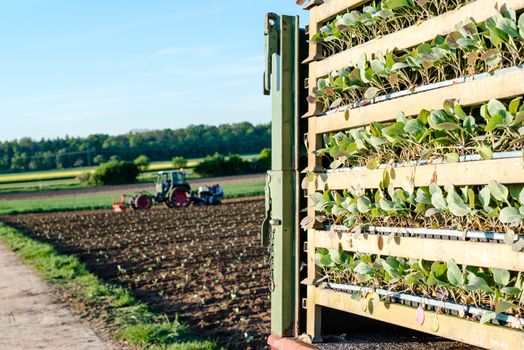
204 264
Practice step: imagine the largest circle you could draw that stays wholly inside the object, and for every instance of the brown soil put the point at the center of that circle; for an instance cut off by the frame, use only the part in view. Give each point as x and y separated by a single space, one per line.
118 189
204 264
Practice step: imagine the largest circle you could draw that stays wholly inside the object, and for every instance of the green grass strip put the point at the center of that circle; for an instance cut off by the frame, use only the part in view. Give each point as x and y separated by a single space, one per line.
128 319
103 201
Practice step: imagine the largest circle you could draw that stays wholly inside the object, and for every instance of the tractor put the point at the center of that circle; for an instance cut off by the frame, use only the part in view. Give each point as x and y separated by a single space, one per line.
173 190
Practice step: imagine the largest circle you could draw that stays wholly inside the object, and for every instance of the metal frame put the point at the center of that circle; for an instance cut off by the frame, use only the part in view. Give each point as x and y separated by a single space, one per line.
279 229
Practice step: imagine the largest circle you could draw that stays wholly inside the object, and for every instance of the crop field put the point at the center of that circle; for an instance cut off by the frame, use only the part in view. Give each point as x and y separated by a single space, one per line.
63 174
102 197
68 183
202 264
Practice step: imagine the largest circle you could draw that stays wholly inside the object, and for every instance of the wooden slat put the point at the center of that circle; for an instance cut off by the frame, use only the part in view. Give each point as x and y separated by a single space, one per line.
479 254
331 8
311 250
506 85
314 142
314 312
471 332
481 172
313 48
313 317
406 38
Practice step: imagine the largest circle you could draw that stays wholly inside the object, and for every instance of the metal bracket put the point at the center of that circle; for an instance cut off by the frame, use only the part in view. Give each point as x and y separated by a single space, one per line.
271 39
275 222
312 3
266 229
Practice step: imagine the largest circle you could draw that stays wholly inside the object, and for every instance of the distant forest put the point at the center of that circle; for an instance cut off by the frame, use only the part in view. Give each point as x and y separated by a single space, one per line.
191 142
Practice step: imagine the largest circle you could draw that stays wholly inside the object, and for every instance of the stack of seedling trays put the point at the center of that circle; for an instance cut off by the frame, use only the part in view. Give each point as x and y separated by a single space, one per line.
415 166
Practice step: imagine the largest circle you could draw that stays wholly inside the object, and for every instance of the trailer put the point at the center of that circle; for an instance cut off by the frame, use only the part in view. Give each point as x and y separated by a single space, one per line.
396 188
172 190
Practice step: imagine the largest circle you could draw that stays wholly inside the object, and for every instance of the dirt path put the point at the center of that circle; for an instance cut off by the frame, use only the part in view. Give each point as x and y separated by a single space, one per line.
118 189
30 318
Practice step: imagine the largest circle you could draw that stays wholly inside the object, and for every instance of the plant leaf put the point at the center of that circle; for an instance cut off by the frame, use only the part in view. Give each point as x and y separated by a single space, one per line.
420 315
510 215
438 201
435 325
363 205
336 103
371 93
469 124
485 197
307 222
454 274
521 25
514 105
459 112
495 107
498 191
503 306
511 291
452 157
456 205
485 152
415 127
487 316
337 163
471 198
362 268
501 277
373 162
434 189
477 283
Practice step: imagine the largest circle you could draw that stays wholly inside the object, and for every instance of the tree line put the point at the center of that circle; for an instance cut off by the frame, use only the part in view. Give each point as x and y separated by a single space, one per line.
193 141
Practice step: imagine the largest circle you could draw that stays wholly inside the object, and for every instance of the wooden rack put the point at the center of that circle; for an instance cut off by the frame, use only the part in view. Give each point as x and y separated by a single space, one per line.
507 84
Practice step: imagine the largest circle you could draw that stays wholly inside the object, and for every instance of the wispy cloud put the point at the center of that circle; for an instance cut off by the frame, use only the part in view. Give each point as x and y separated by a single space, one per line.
148 21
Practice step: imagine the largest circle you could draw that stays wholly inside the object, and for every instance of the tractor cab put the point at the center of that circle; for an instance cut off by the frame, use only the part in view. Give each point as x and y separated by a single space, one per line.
166 180
172 189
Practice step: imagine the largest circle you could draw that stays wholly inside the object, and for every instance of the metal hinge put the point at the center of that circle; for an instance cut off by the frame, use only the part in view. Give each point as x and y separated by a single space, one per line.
271 39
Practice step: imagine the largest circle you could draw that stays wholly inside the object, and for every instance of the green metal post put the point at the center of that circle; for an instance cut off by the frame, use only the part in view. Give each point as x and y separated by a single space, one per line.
279 229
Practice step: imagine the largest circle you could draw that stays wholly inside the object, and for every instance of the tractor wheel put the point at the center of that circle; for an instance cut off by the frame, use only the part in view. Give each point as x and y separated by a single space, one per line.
178 197
142 202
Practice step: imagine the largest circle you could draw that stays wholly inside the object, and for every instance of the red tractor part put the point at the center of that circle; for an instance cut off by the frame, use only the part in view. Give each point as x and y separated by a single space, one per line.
178 197
119 206
141 202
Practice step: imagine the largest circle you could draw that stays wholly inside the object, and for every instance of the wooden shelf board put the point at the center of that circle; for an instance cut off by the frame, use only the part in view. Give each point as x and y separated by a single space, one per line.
471 332
479 254
501 86
480 172
331 8
444 24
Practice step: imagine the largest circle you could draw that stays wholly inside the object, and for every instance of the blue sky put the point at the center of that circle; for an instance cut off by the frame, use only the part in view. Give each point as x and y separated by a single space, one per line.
74 67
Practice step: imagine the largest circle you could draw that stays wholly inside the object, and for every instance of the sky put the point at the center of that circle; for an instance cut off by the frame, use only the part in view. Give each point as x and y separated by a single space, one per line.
74 67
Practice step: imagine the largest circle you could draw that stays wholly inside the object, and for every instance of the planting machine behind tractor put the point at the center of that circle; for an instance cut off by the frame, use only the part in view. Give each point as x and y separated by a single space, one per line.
173 190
